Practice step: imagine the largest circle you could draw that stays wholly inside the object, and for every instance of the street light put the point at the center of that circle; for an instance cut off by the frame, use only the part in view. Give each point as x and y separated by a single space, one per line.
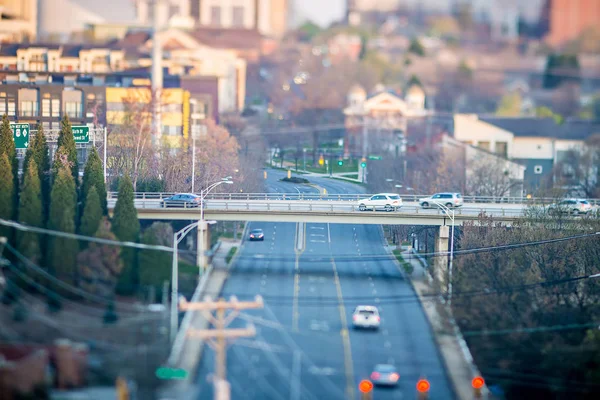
202 227
447 211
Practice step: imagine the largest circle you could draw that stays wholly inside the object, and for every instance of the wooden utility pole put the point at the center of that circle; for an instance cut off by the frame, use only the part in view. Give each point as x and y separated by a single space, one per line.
217 337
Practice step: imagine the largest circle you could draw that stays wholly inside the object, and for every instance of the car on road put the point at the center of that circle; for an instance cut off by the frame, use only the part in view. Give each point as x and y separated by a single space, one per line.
450 200
366 317
182 200
385 375
381 201
257 234
570 206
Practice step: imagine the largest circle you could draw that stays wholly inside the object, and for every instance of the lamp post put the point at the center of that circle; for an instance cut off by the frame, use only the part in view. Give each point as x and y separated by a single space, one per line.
202 226
447 211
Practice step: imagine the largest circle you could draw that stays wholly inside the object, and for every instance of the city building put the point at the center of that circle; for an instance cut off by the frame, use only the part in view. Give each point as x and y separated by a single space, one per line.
362 11
18 20
565 20
378 122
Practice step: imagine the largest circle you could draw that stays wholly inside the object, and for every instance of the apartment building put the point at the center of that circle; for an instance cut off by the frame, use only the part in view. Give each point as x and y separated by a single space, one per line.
566 19
18 20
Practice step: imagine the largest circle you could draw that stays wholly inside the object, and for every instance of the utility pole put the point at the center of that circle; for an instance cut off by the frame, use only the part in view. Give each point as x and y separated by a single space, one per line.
217 337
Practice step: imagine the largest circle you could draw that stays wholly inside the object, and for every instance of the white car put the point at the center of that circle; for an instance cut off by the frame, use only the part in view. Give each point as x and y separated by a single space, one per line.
381 201
366 317
449 200
570 206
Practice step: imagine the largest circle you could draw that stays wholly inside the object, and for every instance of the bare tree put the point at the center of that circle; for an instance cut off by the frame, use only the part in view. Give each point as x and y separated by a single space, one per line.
579 170
491 175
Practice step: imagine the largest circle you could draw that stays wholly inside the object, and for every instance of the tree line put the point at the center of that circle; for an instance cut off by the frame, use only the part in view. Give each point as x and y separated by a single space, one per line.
49 193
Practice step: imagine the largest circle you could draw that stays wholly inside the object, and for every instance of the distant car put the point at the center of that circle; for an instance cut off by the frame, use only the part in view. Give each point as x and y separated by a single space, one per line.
257 234
366 317
182 200
385 375
381 201
570 206
450 200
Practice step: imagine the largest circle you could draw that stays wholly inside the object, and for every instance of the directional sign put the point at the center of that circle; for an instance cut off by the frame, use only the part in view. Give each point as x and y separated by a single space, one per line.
171 373
20 135
81 134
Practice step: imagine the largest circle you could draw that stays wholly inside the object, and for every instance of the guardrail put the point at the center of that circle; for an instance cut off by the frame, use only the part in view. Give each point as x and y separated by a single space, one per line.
344 197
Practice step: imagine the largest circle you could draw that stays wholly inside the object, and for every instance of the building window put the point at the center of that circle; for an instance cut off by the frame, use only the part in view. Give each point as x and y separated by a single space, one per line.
172 130
2 106
47 126
73 109
56 108
46 108
484 145
215 16
537 169
12 107
502 149
172 108
238 17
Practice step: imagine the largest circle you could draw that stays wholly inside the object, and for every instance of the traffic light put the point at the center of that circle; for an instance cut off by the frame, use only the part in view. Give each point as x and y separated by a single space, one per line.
423 389
363 164
321 160
477 384
366 388
340 163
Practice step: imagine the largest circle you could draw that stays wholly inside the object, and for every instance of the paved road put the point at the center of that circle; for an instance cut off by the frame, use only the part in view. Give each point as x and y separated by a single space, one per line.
303 348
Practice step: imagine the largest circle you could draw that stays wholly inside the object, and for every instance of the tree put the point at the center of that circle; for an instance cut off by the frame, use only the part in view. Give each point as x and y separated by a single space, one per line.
63 201
416 47
93 177
41 154
491 175
579 170
414 80
92 214
66 141
308 30
126 227
154 264
545 112
30 213
100 264
7 146
7 190
510 105
560 69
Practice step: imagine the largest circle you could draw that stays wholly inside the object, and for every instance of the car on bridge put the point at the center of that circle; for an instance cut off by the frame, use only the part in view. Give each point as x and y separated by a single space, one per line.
450 200
385 375
366 317
257 234
182 200
570 206
381 201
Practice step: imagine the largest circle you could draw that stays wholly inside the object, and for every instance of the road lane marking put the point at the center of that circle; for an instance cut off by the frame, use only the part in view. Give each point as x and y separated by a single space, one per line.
387 344
385 332
317 241
348 367
300 241
296 373
317 235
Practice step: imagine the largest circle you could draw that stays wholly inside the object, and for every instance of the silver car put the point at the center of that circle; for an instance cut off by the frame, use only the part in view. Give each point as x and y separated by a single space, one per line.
450 200
385 375
570 206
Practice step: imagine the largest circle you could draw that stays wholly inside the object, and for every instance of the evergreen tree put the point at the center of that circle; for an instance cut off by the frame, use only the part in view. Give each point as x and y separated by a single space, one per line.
63 200
126 227
7 190
41 155
30 213
93 176
154 264
7 146
66 141
92 214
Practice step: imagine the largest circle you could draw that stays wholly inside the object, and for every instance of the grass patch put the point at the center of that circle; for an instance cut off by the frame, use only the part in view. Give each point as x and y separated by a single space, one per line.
230 254
353 176
408 268
295 179
347 181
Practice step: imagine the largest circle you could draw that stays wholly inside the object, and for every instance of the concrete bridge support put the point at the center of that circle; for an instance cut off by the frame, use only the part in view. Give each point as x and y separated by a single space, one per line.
442 240
203 245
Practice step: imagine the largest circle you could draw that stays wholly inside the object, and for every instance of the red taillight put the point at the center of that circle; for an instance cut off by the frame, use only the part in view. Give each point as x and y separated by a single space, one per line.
377 319
396 202
394 377
375 376
354 317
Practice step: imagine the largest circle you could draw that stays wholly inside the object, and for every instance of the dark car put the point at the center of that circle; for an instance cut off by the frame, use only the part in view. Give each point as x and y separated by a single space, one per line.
257 234
182 200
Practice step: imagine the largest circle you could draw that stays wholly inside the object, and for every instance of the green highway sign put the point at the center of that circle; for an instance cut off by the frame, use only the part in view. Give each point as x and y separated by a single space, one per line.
171 373
375 158
21 135
81 134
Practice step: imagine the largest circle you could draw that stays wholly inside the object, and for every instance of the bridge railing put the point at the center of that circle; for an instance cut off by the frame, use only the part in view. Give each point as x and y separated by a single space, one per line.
345 197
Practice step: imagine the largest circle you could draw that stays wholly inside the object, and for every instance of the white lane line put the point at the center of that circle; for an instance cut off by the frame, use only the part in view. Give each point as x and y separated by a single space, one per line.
391 361
317 227
385 332
317 241
328 233
317 235
311 289
374 291
376 299
387 344
263 282
372 284
296 372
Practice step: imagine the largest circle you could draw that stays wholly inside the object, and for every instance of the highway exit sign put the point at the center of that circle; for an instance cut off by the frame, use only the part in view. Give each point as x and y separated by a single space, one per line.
81 134
21 135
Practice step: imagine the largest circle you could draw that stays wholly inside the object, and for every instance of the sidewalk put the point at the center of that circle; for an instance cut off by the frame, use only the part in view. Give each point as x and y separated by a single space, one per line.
455 354
190 352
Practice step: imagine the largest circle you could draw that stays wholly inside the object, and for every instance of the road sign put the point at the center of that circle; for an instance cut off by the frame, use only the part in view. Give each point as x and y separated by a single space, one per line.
171 373
375 158
21 135
81 134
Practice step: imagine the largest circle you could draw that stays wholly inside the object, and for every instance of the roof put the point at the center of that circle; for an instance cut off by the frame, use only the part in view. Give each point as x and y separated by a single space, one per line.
573 129
228 38
9 49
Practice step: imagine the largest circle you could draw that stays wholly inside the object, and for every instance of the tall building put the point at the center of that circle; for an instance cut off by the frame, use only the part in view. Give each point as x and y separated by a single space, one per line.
18 20
566 19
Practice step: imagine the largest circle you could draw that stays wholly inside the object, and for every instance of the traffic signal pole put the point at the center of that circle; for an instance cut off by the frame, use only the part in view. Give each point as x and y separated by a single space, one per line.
217 337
